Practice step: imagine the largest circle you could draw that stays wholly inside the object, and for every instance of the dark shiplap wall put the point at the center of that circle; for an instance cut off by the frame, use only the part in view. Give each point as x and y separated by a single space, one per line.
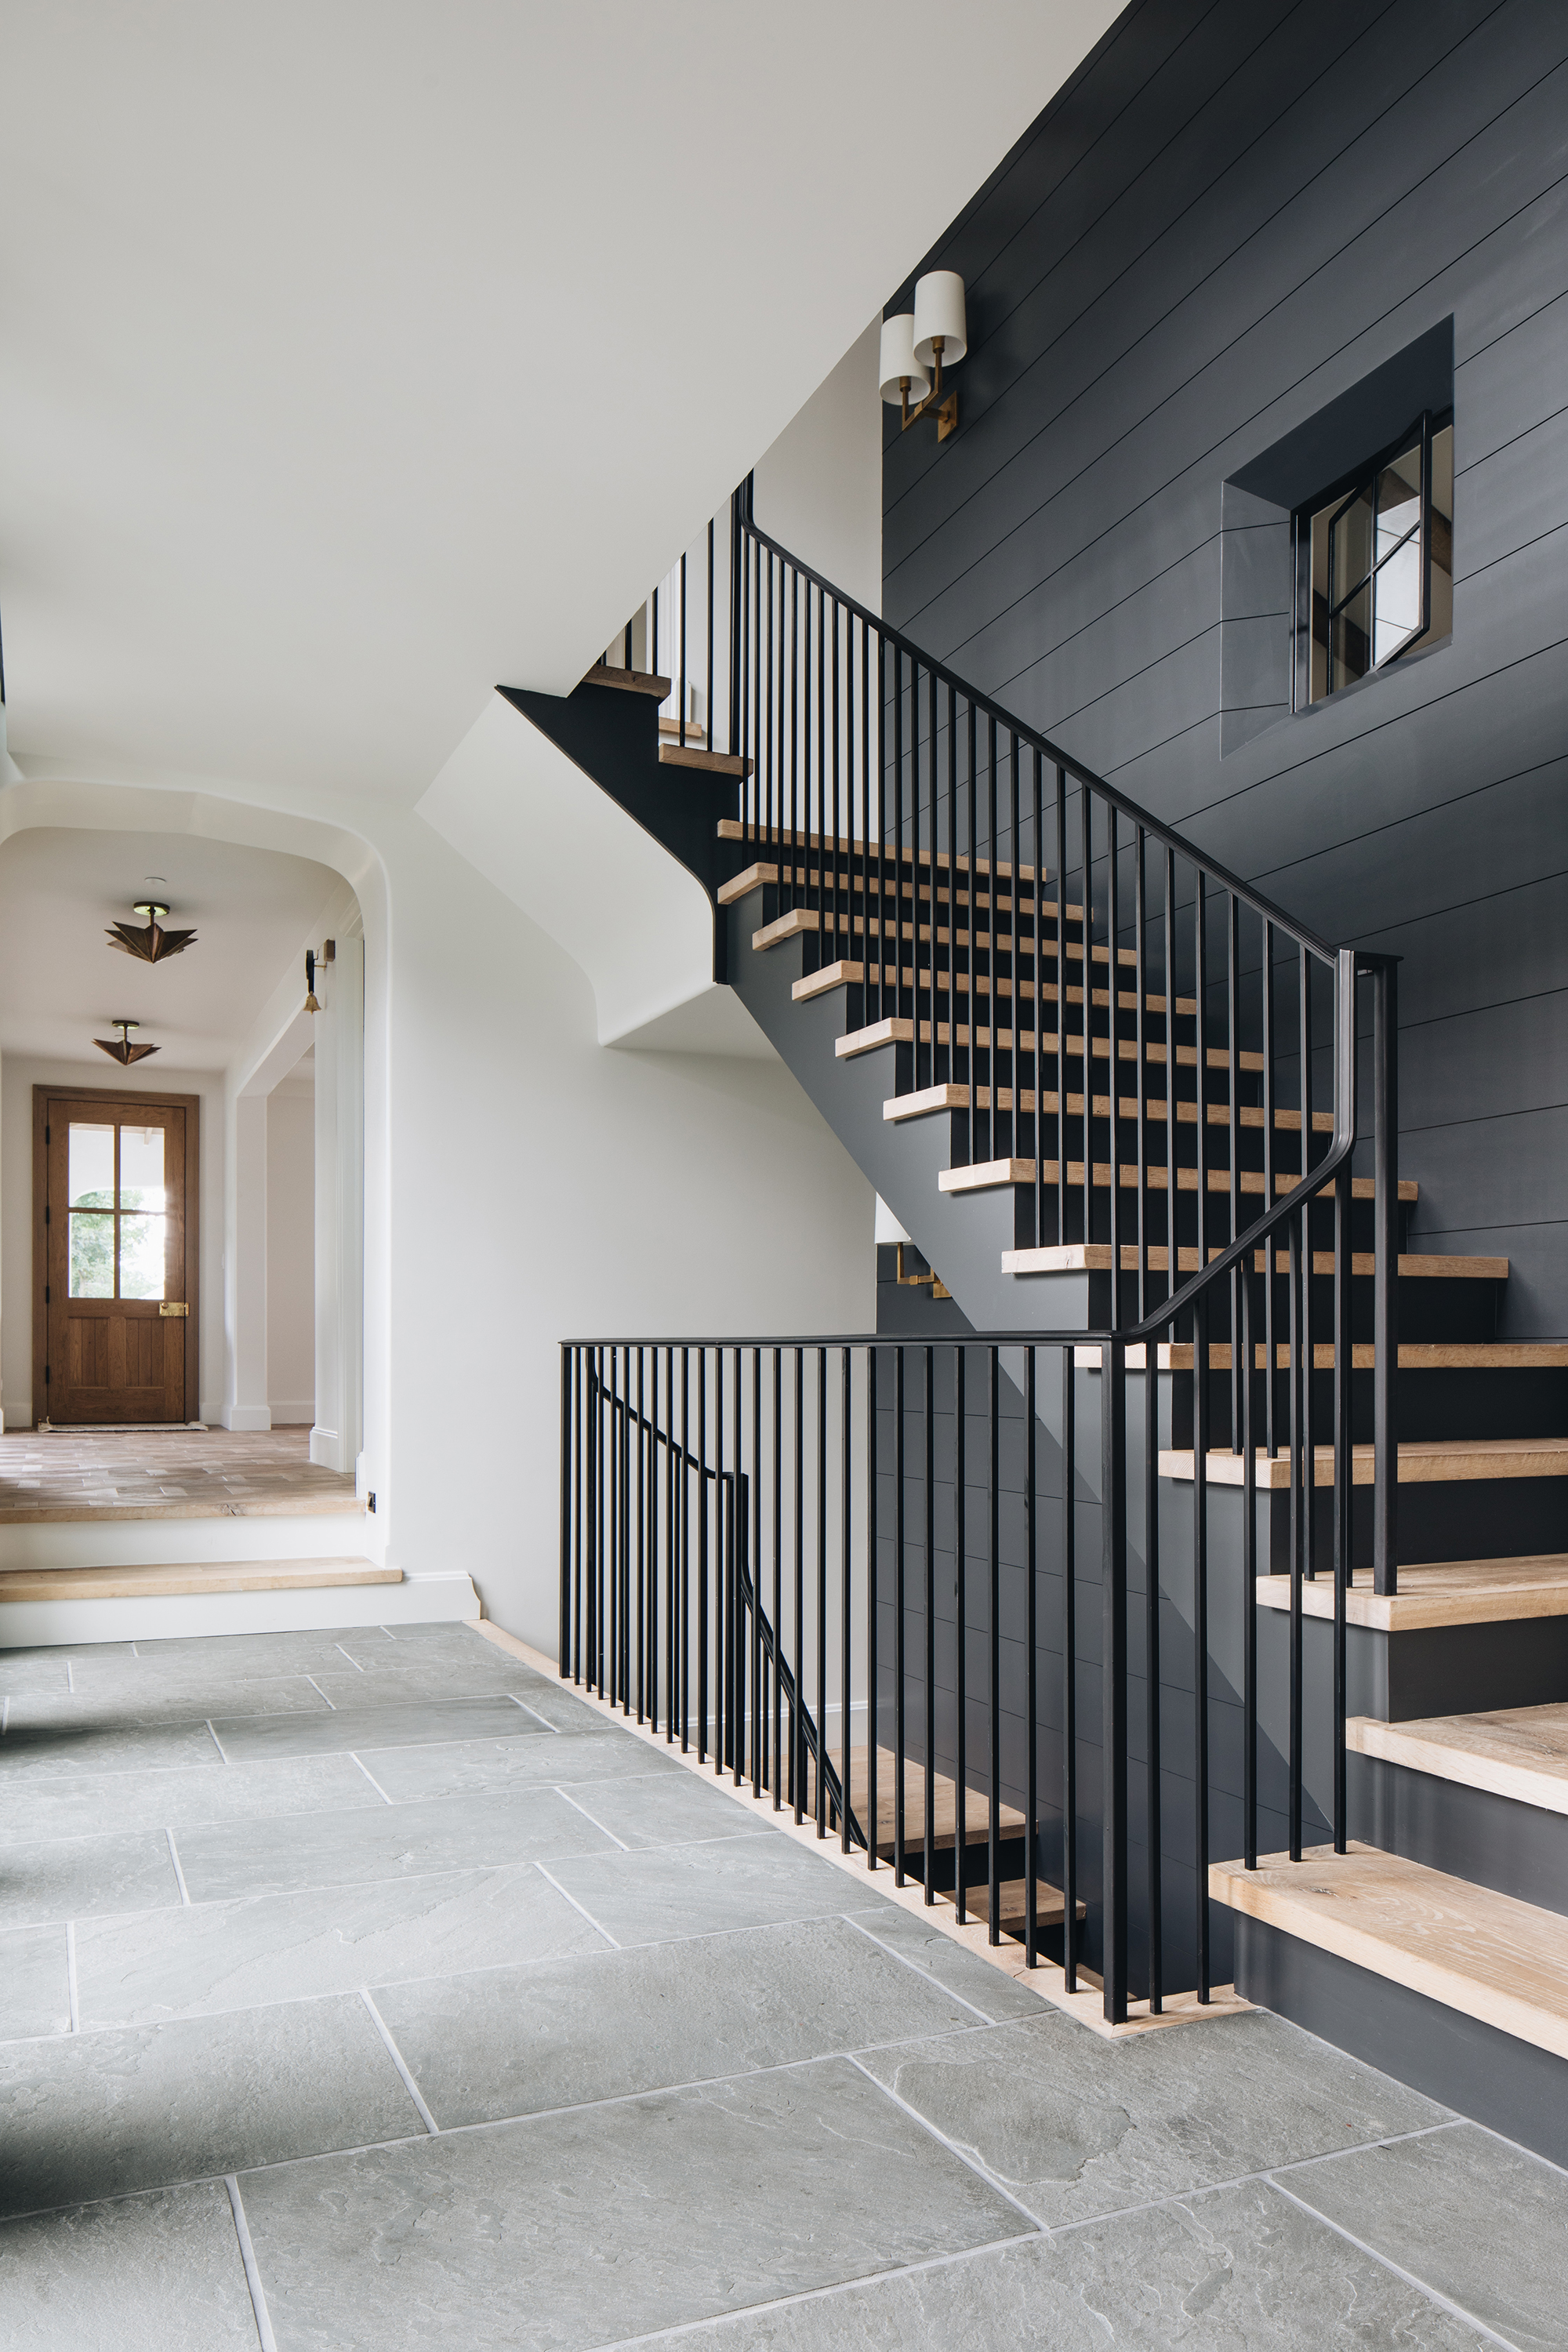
1234 213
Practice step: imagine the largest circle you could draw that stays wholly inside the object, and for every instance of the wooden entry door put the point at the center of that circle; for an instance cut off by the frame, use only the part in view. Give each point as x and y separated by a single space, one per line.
115 1270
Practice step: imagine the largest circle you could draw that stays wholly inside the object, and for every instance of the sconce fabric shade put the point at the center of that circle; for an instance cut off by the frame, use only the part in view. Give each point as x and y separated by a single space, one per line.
899 359
939 311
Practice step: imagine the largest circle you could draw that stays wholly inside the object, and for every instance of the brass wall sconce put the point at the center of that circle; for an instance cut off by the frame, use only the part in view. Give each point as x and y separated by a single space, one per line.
120 1049
916 343
929 1279
153 945
329 955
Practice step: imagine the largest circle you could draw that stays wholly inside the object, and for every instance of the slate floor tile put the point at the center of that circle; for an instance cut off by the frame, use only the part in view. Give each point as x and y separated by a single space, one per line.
62 1751
666 1811
251 1738
35 1986
165 2270
351 1692
1238 2270
573 2231
454 1768
146 1704
989 1989
220 1955
1482 2221
126 1802
79 1877
97 2115
484 1832
1075 2127
513 2041
656 1894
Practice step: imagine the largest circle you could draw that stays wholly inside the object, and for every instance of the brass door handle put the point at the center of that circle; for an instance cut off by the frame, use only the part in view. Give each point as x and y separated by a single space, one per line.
172 1306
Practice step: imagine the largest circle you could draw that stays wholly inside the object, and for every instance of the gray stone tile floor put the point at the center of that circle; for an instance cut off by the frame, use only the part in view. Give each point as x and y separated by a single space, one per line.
366 1989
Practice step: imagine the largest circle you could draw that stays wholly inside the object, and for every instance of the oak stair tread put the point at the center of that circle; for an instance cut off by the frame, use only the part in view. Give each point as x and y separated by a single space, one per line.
984 1174
953 1096
146 1580
1439 1593
1520 1753
805 922
1487 1956
1094 1257
845 845
1050 1904
711 764
631 681
762 875
1422 1461
944 1805
902 1033
1414 1356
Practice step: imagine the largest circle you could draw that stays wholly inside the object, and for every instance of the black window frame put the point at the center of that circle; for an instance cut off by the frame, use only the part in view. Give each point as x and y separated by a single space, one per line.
1342 495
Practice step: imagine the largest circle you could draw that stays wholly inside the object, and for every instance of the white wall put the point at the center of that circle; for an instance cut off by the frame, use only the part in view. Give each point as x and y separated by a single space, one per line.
18 1076
818 491
291 1251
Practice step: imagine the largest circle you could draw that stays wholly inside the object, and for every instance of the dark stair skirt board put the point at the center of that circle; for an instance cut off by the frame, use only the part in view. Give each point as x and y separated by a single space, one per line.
1477 2069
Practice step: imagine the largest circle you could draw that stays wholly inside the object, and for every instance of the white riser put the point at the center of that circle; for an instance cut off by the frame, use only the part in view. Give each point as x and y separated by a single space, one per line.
418 1601
127 1543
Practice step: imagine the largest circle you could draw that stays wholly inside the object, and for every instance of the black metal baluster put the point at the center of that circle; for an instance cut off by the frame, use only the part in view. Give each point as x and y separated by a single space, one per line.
1062 1013
960 1646
1069 1663
565 1636
929 1761
1114 1583
1172 1250
901 1748
993 1016
1296 1535
1309 1451
685 1655
1151 1653
799 1743
1113 1029
1385 1273
778 1577
1271 1365
844 1596
759 1689
1248 1586
1233 1045
1031 1593
702 1556
873 1582
993 1760
1037 840
1201 1607
822 1592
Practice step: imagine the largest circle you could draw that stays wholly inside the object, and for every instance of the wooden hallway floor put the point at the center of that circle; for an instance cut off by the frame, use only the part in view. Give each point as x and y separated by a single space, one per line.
367 1989
164 1472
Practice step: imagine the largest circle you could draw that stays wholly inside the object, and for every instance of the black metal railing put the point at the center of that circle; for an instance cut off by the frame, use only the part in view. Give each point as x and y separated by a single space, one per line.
889 809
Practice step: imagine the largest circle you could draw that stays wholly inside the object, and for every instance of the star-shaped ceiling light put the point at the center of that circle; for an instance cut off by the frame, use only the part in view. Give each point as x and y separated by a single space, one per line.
153 944
120 1049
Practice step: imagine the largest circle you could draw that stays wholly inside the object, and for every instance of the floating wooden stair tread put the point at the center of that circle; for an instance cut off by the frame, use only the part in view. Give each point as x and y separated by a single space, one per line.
1439 1593
1250 1181
949 1097
145 1581
852 1041
1422 1461
694 734
631 681
761 874
1414 1356
1520 1752
1050 1904
1094 1257
944 1805
1127 1108
830 976
889 1032
713 763
1487 1956
767 837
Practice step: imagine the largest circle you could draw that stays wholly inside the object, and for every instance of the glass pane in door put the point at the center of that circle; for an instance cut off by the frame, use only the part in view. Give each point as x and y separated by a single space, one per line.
141 1168
142 1246
90 1171
91 1255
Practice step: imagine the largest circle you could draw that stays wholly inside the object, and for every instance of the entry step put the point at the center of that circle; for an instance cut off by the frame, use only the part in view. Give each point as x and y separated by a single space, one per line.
1520 1753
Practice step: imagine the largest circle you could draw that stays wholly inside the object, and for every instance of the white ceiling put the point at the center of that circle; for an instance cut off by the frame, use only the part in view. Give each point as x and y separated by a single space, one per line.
358 357
61 984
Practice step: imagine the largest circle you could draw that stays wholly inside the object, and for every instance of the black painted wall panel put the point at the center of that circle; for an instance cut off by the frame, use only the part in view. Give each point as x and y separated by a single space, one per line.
1233 215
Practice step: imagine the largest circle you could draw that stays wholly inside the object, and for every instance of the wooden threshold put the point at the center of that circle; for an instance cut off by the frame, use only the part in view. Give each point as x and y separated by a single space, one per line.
711 764
145 1581
1520 1753
1437 1592
631 681
1422 1461
305 1504
1486 1956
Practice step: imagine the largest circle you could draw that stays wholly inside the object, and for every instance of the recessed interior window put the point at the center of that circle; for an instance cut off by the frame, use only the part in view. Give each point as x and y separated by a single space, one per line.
1374 565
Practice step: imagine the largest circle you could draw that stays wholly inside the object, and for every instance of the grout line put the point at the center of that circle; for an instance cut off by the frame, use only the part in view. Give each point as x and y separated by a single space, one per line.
5 1716
370 1776
179 1874
70 1976
343 1653
952 2146
395 2054
685 2327
252 2275
533 1711
588 1816
578 1907
316 1686
915 1969
70 1683
216 1741
1265 2173
1433 2295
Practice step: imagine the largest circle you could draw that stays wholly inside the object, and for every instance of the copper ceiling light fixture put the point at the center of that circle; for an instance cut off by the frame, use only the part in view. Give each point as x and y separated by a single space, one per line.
120 1049
153 944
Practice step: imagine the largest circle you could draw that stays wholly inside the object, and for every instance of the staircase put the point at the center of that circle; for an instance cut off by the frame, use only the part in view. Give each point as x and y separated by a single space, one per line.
1262 1479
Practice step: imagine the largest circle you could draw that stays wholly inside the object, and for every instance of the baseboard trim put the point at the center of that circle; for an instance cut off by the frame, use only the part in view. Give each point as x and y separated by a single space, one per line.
421 1599
1509 2085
